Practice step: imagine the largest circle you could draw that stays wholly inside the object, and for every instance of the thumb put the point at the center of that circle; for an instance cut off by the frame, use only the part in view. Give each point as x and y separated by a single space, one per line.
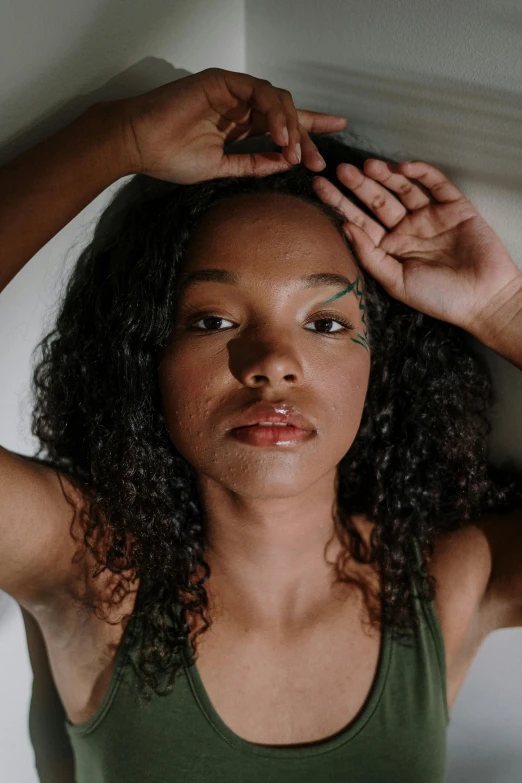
252 164
383 267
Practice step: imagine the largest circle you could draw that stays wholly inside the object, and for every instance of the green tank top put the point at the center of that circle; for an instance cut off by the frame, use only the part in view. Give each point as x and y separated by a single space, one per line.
398 736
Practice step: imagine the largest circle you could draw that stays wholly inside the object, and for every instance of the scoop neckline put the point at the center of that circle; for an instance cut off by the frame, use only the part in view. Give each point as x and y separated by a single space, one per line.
301 750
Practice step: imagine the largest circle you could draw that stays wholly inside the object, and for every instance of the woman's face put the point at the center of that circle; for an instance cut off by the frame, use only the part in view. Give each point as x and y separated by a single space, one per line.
261 340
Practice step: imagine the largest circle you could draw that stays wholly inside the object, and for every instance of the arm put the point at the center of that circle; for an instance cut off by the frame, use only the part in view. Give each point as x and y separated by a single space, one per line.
500 328
40 192
48 185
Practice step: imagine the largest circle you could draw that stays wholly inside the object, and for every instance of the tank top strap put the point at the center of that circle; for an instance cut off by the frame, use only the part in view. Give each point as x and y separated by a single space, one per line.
431 618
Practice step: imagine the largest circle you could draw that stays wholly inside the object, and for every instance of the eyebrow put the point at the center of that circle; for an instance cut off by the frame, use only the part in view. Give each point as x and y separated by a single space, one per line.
314 280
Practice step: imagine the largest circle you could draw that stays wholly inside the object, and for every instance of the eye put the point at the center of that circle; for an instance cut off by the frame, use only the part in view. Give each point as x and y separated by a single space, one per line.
332 318
194 326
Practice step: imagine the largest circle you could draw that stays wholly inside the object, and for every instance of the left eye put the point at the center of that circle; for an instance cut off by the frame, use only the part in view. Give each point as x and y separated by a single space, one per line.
344 324
194 325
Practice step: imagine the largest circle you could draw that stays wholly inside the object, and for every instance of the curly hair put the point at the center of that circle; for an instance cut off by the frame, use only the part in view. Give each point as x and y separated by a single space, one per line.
418 466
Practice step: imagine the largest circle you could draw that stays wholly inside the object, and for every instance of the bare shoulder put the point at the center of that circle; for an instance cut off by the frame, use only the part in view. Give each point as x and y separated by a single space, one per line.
461 565
479 573
37 513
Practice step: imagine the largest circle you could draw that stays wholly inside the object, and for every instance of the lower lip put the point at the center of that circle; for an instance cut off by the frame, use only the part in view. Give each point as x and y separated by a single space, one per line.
271 436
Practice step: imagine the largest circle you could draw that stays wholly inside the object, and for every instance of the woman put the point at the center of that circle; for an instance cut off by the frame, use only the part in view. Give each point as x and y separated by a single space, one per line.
252 509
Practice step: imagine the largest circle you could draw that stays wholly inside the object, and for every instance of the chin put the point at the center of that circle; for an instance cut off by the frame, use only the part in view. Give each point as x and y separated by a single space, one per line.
266 485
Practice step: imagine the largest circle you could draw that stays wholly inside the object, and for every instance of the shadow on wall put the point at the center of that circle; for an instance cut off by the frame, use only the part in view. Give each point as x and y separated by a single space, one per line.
105 42
469 131
141 77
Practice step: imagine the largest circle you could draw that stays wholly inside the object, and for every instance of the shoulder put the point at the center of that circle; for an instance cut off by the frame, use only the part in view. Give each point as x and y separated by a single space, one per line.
62 511
461 565
479 573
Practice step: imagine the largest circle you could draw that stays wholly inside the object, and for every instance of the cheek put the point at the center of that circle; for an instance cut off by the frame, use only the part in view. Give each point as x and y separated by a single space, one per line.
188 399
342 396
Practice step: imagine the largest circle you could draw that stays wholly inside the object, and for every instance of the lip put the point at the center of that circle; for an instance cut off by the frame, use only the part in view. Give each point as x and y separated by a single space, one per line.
282 412
272 436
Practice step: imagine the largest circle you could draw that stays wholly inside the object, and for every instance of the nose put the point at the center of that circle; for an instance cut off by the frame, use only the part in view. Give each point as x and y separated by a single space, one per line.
265 362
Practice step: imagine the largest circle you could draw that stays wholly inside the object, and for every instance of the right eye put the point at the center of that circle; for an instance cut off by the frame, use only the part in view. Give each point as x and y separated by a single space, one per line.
196 328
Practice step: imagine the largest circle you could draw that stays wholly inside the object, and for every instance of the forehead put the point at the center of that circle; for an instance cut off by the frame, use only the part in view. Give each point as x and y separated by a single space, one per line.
268 235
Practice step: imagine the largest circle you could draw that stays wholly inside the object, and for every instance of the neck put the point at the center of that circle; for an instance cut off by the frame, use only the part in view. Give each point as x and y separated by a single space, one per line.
272 560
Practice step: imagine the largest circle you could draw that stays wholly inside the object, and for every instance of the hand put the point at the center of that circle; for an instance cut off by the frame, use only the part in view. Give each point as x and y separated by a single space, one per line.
176 132
439 256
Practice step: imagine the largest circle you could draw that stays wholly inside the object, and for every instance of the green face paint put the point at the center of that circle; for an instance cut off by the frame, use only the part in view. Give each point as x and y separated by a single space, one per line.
341 293
363 338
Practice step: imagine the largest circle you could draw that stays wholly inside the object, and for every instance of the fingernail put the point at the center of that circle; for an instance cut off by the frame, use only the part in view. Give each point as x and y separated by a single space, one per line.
298 152
348 234
286 138
320 158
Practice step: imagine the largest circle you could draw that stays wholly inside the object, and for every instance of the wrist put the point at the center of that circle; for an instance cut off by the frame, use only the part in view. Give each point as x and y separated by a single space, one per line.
109 121
499 325
500 310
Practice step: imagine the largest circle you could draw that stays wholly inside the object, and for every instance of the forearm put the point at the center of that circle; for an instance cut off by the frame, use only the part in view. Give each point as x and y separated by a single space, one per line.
500 327
45 187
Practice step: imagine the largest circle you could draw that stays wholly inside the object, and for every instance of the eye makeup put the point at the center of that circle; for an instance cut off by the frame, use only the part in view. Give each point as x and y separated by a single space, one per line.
341 293
362 338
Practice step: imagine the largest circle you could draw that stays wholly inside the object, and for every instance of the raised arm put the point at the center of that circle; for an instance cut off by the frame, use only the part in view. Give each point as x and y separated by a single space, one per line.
40 192
45 187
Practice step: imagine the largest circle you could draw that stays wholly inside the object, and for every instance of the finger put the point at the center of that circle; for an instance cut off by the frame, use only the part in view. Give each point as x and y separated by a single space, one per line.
292 125
434 180
411 195
312 158
319 122
268 100
261 164
328 193
306 150
260 95
253 164
301 145
383 267
386 206
277 106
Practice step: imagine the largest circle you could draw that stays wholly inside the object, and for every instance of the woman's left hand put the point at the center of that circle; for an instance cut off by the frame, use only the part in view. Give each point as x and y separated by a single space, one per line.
439 255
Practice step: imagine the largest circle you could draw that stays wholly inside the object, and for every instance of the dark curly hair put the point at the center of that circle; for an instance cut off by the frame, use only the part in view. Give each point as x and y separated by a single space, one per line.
418 466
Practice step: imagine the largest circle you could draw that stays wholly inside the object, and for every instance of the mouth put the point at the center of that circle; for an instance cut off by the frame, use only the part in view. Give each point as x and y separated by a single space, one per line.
272 434
272 416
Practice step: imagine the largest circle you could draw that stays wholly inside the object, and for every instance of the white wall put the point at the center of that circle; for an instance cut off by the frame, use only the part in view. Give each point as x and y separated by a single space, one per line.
435 81
438 82
58 57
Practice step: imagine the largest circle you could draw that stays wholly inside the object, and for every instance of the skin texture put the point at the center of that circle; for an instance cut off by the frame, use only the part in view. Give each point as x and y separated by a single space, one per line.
269 511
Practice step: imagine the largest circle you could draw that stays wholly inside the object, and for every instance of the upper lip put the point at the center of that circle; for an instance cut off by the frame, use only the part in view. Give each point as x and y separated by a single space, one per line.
273 413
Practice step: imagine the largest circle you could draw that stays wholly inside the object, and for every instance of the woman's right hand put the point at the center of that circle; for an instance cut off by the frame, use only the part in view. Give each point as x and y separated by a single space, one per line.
177 132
